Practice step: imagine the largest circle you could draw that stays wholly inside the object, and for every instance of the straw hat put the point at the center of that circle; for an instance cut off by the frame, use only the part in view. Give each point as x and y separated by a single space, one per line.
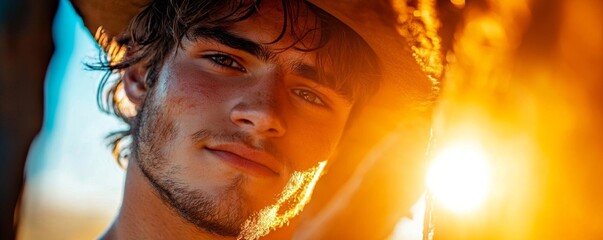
391 134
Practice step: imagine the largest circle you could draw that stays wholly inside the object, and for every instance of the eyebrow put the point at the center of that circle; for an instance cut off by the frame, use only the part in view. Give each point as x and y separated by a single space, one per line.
233 41
307 71
253 48
310 72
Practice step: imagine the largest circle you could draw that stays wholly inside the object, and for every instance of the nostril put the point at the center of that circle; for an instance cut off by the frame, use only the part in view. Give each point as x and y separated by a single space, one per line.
257 119
246 121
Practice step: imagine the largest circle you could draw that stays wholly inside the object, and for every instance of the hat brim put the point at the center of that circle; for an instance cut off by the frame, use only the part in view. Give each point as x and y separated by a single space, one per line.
396 120
394 127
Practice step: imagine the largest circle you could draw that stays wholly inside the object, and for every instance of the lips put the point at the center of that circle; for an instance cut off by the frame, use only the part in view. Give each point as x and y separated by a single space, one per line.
248 159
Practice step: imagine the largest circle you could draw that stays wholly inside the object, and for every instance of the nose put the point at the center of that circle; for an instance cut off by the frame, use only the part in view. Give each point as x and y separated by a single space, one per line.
259 116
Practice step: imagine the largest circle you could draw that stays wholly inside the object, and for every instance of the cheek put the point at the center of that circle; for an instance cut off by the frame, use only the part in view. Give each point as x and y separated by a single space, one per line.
192 89
195 100
313 141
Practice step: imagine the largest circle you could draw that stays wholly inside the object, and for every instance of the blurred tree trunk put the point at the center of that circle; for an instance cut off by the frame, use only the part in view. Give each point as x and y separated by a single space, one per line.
25 49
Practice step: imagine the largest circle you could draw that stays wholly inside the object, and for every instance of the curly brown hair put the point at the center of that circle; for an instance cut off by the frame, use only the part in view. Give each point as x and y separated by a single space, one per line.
161 26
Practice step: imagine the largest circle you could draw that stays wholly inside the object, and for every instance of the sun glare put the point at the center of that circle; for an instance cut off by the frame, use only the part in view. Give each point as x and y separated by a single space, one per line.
459 177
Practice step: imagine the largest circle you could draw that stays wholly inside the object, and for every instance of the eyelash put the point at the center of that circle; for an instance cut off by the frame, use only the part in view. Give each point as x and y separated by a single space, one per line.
310 97
219 59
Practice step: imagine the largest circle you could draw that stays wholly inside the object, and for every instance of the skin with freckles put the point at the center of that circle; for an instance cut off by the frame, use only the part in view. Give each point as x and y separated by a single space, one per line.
230 118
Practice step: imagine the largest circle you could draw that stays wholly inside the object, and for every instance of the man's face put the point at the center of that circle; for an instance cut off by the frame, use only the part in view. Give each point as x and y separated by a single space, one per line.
231 117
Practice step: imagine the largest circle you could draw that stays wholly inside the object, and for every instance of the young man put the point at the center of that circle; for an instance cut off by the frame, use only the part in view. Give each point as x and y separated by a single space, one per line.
234 107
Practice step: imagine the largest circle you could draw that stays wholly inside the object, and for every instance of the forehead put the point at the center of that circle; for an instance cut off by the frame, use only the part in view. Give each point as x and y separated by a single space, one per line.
281 26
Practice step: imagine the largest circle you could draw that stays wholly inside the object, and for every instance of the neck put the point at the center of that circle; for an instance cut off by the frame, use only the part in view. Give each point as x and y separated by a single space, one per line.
143 215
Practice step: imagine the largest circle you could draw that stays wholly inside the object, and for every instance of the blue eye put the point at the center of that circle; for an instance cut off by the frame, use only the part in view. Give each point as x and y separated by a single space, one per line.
309 96
222 60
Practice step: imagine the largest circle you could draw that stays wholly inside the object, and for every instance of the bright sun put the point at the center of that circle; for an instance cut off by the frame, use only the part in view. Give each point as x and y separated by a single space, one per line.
459 177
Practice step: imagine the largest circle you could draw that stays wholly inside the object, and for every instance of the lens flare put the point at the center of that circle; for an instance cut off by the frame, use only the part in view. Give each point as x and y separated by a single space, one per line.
459 177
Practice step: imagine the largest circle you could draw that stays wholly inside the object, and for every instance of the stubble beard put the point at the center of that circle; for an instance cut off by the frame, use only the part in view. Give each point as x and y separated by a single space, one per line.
220 213
223 213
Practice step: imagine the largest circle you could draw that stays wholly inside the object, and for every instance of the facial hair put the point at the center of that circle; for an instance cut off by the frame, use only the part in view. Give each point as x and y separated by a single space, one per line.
220 213
223 213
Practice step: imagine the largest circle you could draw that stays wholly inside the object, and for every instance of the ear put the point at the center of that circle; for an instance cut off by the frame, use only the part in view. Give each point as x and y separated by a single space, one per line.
134 83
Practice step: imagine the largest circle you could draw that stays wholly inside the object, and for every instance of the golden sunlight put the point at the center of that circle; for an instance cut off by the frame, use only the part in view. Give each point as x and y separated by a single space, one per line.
291 201
459 177
458 3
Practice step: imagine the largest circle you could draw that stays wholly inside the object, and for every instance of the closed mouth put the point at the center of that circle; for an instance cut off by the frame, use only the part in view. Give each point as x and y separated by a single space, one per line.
248 159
